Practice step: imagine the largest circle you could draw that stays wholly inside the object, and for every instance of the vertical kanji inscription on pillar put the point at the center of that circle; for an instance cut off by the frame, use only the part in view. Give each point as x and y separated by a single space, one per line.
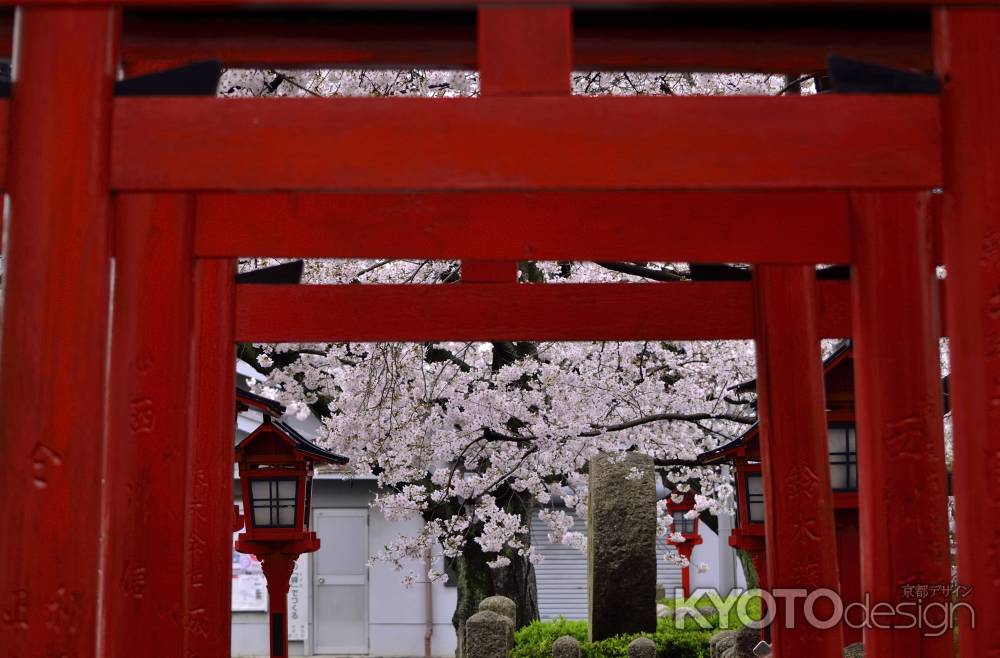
901 466
57 274
149 429
801 544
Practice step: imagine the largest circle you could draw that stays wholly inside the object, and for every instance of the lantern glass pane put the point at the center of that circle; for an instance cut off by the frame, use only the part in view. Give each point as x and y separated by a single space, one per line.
755 498
838 475
286 515
274 502
286 488
681 524
843 451
260 489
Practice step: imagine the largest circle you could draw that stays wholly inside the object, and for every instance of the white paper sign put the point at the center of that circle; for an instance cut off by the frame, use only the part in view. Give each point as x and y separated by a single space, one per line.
298 600
249 584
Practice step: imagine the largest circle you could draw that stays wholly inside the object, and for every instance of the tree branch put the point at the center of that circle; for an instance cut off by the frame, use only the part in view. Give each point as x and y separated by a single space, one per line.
653 418
641 270
493 435
666 463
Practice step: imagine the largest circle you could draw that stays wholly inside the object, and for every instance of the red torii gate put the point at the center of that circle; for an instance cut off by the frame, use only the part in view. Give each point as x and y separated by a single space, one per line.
117 533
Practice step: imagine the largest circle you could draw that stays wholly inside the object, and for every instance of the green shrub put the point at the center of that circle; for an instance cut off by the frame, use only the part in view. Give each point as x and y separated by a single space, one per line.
535 640
752 609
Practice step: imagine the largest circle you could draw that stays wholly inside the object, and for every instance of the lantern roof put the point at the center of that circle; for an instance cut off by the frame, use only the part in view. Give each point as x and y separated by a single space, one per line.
247 400
727 451
297 443
840 352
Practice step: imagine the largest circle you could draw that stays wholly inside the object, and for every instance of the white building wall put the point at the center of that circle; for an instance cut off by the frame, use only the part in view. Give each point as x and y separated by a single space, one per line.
724 569
706 552
398 615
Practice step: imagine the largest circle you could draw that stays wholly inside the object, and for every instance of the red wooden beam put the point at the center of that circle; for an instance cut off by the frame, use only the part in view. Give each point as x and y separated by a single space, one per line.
766 40
55 333
904 528
431 4
968 44
210 483
801 543
526 143
487 311
754 40
149 432
761 227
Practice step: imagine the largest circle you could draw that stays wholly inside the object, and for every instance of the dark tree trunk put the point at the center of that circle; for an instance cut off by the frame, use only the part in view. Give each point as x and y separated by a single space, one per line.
753 582
476 580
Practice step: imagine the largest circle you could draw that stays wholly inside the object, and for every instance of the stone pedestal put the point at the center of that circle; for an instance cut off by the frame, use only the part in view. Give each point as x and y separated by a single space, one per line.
622 546
504 607
488 635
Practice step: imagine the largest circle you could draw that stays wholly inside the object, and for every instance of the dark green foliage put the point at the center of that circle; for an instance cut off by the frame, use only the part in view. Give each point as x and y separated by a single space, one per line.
535 640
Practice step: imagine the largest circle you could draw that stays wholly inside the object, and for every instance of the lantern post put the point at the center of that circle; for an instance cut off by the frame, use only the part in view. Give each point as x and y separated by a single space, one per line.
690 537
276 469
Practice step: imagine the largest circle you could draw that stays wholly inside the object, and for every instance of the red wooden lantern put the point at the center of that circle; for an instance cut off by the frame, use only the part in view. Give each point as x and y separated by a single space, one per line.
748 535
688 529
275 464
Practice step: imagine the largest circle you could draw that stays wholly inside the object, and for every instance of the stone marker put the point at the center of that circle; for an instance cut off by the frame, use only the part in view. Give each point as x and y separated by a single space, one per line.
734 644
487 635
747 640
721 642
502 606
622 546
642 647
566 647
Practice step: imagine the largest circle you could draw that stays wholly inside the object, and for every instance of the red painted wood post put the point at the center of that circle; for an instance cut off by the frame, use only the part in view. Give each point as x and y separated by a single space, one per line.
967 44
278 568
525 51
901 469
849 568
522 51
55 332
210 530
149 426
801 543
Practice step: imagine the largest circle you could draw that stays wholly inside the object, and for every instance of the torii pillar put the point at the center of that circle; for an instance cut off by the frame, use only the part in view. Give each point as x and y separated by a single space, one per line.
801 542
967 45
902 487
